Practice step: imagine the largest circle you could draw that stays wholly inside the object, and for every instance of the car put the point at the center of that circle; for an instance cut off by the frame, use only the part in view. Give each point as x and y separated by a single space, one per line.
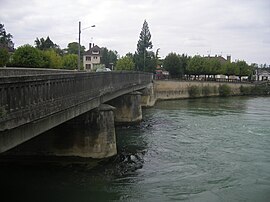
103 70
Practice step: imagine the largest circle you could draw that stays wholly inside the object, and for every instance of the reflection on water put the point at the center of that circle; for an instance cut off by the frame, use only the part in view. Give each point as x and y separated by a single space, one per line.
211 149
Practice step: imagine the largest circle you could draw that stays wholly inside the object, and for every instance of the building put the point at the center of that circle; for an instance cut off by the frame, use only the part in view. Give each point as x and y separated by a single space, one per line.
91 58
221 59
263 74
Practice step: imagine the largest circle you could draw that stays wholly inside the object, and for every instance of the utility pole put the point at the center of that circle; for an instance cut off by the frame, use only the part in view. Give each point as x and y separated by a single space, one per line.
79 46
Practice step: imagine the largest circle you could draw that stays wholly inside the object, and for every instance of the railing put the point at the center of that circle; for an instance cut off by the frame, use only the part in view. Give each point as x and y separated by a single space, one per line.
26 98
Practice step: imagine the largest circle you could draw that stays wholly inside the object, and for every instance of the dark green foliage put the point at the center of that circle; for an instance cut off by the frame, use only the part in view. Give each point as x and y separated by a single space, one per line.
108 57
6 39
193 91
4 57
255 90
28 56
206 90
144 59
224 90
72 48
173 65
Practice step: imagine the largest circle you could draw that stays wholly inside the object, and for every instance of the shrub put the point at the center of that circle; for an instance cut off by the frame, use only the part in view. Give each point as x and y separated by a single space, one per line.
245 90
224 90
193 91
206 90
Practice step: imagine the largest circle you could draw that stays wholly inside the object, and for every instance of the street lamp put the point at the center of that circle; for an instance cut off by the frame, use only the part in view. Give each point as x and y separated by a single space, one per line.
79 44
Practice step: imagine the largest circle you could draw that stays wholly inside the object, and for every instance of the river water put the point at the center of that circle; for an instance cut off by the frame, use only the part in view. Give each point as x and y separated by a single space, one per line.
210 149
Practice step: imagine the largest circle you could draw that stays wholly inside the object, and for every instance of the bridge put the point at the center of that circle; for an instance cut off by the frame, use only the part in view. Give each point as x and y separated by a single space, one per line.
33 101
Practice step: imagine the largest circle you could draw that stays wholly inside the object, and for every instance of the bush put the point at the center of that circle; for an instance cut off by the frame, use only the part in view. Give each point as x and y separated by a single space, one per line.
245 90
224 90
206 90
28 56
193 91
4 57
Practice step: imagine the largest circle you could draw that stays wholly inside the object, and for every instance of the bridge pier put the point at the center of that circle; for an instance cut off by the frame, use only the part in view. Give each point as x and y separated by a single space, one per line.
89 135
148 98
128 108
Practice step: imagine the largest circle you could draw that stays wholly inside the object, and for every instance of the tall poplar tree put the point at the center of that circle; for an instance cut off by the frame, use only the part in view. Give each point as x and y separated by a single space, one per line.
142 56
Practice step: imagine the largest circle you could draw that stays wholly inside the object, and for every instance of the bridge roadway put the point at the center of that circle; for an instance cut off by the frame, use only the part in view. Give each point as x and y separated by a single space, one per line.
32 102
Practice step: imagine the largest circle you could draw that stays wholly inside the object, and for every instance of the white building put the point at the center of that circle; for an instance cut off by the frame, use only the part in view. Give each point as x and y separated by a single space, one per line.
91 58
263 74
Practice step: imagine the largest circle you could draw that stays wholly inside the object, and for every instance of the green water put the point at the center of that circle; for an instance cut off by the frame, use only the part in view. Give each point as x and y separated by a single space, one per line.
215 149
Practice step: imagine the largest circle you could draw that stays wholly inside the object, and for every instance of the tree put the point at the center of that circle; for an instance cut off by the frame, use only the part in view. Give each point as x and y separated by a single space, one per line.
6 39
70 61
28 56
244 69
72 48
108 57
51 59
142 57
195 65
46 44
125 63
172 64
230 69
4 57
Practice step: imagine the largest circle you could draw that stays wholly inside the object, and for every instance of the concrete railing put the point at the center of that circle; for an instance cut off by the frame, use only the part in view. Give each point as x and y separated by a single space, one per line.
25 98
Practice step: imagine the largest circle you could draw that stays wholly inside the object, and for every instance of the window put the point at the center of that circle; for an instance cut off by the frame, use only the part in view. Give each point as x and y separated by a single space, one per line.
88 66
88 58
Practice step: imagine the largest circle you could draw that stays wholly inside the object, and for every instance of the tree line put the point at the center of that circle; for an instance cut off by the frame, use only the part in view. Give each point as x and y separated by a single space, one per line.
47 54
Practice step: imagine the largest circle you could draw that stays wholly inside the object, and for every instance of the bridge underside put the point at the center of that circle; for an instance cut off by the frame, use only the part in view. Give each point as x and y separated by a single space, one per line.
12 136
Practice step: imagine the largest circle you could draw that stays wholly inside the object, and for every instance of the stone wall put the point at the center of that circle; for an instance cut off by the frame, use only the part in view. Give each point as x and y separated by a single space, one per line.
180 89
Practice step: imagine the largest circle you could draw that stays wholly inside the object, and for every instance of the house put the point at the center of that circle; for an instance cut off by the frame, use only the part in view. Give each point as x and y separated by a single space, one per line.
263 74
91 58
221 59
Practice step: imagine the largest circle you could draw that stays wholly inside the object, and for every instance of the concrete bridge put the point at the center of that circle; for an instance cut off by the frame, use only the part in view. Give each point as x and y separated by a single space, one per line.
33 101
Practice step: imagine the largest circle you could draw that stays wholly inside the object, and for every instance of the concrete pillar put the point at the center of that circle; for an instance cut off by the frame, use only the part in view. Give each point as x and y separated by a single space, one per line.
89 135
148 98
128 108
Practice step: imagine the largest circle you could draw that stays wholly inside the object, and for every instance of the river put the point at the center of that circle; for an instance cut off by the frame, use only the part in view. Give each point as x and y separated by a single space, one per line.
209 149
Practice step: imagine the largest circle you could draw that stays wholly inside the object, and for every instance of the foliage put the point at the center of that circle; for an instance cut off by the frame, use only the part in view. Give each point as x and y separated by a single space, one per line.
255 90
230 69
193 91
70 61
28 56
4 57
51 59
244 69
143 58
195 65
173 65
125 63
72 48
206 90
108 57
46 44
224 90
6 39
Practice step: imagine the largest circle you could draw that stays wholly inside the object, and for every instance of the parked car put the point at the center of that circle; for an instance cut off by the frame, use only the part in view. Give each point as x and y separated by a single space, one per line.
103 70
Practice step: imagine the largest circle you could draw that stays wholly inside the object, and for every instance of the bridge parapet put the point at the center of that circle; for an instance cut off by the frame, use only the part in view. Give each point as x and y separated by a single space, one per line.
24 99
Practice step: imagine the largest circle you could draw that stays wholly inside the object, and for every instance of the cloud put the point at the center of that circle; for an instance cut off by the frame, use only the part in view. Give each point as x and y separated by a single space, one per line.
237 27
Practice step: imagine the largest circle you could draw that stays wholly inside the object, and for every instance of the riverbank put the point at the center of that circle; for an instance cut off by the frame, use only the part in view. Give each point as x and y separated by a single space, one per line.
167 90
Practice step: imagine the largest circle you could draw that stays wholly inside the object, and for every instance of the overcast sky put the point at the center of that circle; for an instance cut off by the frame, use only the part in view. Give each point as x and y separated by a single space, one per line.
240 28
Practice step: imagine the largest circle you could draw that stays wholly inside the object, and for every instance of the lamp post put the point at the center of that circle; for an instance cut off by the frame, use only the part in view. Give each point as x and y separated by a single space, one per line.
79 44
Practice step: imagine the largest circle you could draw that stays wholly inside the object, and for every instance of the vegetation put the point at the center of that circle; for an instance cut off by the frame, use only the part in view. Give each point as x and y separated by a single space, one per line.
255 90
206 90
193 91
4 57
108 57
145 60
125 63
224 90
70 61
5 39
28 56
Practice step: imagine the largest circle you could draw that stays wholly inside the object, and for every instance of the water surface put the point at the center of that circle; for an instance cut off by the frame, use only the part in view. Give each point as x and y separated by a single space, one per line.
215 149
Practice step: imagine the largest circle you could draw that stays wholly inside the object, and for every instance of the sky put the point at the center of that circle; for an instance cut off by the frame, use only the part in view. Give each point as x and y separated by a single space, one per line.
240 28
